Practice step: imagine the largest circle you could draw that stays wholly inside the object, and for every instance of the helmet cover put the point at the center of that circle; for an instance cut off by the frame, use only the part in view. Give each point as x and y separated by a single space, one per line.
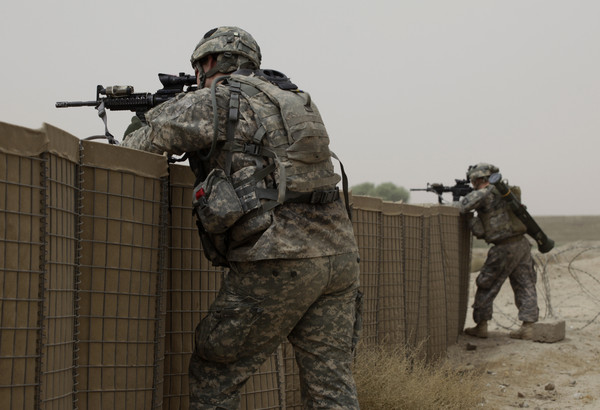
232 42
481 170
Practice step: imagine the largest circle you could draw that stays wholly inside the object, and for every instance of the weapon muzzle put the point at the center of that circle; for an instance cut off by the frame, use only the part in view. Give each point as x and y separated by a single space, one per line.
545 244
67 104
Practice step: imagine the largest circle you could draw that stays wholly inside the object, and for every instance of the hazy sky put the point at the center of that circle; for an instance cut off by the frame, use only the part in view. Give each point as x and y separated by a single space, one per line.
411 91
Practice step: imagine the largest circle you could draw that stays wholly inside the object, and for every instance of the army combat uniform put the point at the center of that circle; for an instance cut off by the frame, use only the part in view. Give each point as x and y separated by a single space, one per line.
293 271
510 257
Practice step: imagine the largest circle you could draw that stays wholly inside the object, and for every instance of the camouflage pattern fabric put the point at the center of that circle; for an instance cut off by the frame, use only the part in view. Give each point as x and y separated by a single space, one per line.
511 260
313 302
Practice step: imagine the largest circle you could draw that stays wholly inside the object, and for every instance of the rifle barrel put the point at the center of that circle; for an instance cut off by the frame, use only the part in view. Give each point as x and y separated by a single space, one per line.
66 104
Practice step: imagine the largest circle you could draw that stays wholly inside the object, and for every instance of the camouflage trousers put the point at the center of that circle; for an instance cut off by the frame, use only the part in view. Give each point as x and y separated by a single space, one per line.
314 303
512 260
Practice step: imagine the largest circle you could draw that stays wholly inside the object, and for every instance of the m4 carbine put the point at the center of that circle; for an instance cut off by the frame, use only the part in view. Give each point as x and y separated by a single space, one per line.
122 98
459 189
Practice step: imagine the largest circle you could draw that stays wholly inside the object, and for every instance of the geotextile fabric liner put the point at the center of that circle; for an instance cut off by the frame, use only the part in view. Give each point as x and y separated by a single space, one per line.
415 264
21 259
103 280
58 371
123 263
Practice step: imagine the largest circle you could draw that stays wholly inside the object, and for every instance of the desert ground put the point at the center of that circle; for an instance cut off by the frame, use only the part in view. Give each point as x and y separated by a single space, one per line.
526 374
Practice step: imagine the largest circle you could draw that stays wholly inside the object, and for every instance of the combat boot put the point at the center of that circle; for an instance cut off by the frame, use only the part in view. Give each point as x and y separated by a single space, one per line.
478 331
525 332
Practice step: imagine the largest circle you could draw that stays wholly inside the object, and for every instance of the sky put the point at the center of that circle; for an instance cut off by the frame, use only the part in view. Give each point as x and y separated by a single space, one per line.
411 92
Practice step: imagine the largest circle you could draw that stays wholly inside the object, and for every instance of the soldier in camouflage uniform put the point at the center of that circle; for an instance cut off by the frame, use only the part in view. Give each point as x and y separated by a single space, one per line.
510 257
293 269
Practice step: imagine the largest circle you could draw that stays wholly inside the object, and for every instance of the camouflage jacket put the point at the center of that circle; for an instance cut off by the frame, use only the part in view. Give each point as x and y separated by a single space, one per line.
298 230
499 222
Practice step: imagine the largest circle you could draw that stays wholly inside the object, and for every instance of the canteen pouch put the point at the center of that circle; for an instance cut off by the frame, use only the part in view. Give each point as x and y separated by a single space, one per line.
216 203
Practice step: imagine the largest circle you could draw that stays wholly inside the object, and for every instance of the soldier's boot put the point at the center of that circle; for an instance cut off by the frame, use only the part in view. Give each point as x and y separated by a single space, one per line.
478 331
525 332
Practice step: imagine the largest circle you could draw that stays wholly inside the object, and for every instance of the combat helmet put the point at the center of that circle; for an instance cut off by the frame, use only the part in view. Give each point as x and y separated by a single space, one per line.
235 48
481 170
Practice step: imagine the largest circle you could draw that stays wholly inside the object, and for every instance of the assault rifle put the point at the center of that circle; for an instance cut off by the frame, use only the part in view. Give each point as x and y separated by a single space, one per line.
461 188
122 98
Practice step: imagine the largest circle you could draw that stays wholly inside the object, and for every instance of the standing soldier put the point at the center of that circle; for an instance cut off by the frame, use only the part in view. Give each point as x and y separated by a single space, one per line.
268 208
510 257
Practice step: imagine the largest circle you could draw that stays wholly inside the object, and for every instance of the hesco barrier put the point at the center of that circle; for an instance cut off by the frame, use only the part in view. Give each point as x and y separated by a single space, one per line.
103 280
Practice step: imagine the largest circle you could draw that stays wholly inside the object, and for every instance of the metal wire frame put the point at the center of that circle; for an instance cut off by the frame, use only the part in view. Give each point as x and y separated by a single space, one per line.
367 228
192 284
21 272
121 290
412 272
58 370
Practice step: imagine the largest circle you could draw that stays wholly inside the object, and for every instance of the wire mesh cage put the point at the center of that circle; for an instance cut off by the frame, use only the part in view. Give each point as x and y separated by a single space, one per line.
103 279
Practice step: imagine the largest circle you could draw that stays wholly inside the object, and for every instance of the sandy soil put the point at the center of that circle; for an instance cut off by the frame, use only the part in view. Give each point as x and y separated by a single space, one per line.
526 374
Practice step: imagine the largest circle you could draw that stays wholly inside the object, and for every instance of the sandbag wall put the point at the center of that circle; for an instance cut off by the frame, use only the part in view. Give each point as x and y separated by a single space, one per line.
102 278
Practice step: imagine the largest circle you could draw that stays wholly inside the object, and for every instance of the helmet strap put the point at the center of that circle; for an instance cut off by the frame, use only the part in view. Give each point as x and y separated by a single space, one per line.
211 72
219 67
201 74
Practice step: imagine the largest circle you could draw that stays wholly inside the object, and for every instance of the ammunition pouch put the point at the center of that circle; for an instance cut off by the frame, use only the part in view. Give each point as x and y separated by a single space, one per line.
216 203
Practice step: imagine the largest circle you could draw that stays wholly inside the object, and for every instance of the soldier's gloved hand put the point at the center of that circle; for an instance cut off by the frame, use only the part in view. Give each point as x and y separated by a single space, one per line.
135 124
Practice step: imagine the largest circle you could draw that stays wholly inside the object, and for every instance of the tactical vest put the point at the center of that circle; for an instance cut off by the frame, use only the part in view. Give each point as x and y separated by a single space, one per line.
294 162
291 136
499 221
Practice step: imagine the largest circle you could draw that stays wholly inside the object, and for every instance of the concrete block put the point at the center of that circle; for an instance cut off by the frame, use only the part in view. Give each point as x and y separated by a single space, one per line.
548 331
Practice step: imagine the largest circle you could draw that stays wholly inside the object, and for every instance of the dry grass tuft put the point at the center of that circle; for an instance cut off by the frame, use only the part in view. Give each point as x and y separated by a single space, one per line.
399 379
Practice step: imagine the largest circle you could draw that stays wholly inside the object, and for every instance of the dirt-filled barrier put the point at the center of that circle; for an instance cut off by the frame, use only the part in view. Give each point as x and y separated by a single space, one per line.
103 280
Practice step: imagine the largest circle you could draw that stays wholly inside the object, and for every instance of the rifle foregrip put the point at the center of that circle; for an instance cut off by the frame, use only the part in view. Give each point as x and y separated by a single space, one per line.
135 102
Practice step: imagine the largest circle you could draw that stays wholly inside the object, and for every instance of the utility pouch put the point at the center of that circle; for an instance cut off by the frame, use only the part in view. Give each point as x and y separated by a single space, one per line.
255 219
214 246
476 226
216 203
